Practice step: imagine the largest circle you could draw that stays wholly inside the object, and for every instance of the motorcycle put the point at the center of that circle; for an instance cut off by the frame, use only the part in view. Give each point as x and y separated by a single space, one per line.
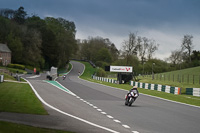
130 98
64 77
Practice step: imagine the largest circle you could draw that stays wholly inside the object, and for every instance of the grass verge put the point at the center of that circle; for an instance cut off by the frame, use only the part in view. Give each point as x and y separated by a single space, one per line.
89 70
8 127
18 97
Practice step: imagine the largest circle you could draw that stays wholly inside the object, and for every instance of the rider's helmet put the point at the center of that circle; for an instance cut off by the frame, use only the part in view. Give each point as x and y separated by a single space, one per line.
134 87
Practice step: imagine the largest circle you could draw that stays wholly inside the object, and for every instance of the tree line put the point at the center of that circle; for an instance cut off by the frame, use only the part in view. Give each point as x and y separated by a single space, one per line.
138 52
51 41
37 42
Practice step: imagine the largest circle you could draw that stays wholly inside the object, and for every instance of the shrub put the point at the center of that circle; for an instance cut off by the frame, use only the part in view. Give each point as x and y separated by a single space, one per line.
16 66
101 64
101 72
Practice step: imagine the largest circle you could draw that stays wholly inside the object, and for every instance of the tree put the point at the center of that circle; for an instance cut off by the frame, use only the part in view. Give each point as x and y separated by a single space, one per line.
187 45
152 47
7 13
104 55
65 39
20 15
143 44
32 55
16 46
130 47
176 57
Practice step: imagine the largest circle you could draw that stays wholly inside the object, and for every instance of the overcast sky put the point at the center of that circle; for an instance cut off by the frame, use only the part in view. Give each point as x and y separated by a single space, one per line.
165 21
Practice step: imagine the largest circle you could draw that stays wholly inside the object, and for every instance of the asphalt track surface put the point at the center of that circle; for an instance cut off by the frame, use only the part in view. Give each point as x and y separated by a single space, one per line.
100 109
146 115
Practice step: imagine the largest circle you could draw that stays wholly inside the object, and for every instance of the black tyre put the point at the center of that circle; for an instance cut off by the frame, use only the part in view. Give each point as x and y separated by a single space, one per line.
126 102
130 103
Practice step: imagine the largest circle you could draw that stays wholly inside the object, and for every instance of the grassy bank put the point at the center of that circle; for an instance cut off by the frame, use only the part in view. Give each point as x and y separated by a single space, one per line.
185 78
89 70
7 127
19 97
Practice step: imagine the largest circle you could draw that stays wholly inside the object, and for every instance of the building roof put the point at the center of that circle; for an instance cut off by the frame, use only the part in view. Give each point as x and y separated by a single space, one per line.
4 48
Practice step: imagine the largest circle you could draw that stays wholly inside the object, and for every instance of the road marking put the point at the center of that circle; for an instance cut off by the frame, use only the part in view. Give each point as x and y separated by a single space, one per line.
62 112
104 113
91 104
95 107
126 126
99 110
135 132
35 76
117 121
59 86
109 116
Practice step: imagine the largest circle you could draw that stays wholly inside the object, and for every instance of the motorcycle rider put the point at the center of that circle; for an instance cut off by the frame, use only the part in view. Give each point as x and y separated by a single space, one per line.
64 76
135 91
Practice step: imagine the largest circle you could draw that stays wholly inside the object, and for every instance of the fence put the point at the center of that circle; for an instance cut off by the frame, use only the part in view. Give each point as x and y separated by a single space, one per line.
181 78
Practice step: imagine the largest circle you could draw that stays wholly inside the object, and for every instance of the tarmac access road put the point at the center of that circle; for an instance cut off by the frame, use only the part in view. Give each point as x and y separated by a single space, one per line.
147 115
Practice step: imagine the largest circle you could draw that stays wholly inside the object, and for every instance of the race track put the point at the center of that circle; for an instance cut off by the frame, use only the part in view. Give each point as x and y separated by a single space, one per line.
96 108
147 115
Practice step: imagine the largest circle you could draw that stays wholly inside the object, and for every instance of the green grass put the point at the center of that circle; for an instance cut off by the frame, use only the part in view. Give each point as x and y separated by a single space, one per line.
179 98
13 70
89 71
7 127
181 78
19 97
7 77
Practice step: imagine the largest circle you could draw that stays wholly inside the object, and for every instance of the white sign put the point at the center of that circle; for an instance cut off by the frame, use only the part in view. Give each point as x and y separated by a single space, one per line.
121 69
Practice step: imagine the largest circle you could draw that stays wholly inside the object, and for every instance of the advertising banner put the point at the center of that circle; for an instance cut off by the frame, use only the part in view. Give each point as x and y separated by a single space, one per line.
121 69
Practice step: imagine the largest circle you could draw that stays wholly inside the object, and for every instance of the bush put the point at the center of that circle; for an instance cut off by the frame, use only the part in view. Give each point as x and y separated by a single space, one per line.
101 72
16 66
101 64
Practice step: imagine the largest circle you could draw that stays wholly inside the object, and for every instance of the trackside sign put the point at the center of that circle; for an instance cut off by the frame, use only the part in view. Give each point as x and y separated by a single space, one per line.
121 69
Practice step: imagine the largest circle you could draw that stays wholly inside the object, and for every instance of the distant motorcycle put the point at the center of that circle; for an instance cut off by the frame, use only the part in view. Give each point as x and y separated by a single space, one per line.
64 77
130 98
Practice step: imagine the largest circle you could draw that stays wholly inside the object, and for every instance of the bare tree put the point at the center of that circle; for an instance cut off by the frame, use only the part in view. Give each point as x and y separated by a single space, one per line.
176 57
152 47
143 44
130 46
187 45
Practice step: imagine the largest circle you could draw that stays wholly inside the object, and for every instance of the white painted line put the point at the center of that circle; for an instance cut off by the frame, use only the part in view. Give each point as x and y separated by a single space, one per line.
62 112
81 99
91 104
35 76
117 121
99 110
126 126
78 97
109 116
135 132
104 113
95 107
